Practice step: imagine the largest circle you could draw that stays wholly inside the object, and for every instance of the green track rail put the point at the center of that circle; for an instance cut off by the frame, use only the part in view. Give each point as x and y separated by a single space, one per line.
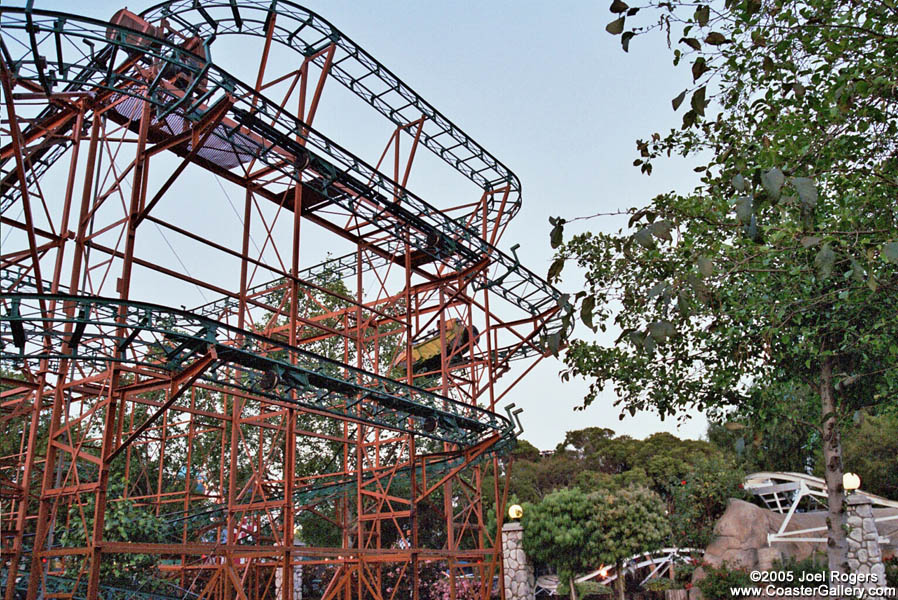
106 331
267 134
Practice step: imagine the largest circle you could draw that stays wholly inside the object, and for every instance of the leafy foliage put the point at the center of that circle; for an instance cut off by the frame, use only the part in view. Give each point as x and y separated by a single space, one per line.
719 580
699 499
871 451
892 571
779 270
124 521
629 521
561 531
574 531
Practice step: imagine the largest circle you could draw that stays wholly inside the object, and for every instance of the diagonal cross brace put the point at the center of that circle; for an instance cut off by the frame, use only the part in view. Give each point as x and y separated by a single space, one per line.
180 383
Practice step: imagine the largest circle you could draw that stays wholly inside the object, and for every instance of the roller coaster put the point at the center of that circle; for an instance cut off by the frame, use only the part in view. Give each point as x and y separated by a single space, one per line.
325 430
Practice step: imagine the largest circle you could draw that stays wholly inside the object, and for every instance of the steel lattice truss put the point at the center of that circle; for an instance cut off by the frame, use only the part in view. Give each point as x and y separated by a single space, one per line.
357 397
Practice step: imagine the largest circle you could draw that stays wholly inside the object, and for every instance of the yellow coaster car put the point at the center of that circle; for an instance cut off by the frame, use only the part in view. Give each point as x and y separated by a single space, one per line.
426 356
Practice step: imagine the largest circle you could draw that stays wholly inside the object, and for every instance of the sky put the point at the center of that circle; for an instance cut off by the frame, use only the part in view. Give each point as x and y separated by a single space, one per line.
544 88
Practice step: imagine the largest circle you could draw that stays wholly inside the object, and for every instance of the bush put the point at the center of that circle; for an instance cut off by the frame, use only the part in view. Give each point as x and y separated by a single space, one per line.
718 581
892 572
683 571
661 584
586 590
700 498
812 564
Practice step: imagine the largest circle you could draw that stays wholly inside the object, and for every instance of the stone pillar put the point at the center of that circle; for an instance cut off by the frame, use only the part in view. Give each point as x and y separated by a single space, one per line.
519 581
864 553
297 578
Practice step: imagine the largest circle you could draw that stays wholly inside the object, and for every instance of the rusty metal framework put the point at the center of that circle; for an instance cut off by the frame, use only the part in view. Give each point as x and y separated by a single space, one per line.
328 430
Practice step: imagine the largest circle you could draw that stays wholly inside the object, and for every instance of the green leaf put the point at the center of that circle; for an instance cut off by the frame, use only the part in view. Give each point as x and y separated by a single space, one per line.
698 101
683 304
772 181
715 38
692 43
890 252
657 289
660 331
625 40
705 266
616 26
699 67
618 7
586 311
648 344
856 272
825 261
810 240
739 183
661 230
556 237
807 190
555 269
643 237
553 343
676 102
744 209
702 15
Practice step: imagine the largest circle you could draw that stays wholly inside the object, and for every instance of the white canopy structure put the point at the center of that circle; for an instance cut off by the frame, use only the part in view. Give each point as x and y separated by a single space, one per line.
784 492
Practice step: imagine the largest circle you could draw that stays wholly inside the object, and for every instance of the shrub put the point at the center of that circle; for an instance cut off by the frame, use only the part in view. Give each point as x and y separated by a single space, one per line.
812 564
661 584
892 572
700 498
586 590
718 581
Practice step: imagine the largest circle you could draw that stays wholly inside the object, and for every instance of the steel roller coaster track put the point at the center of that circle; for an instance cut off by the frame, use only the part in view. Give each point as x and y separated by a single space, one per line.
283 395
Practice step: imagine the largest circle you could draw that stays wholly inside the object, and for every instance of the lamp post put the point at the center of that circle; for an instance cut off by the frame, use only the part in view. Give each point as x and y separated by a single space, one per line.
851 482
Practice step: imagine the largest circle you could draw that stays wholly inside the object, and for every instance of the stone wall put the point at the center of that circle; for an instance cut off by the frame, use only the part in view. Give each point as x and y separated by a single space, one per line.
864 552
519 580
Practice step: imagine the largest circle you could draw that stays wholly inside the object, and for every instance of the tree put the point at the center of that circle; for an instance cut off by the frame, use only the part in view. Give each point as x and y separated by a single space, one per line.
125 521
764 439
872 452
779 268
574 531
700 498
628 522
560 531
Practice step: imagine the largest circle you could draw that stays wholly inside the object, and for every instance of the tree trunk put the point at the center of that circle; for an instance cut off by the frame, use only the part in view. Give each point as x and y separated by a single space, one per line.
837 542
620 582
573 588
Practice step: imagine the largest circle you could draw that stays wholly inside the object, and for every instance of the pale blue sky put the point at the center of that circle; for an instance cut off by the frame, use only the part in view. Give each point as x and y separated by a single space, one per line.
548 92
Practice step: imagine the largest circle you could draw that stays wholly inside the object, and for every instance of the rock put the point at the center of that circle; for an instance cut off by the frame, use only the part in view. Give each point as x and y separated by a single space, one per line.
768 556
741 537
